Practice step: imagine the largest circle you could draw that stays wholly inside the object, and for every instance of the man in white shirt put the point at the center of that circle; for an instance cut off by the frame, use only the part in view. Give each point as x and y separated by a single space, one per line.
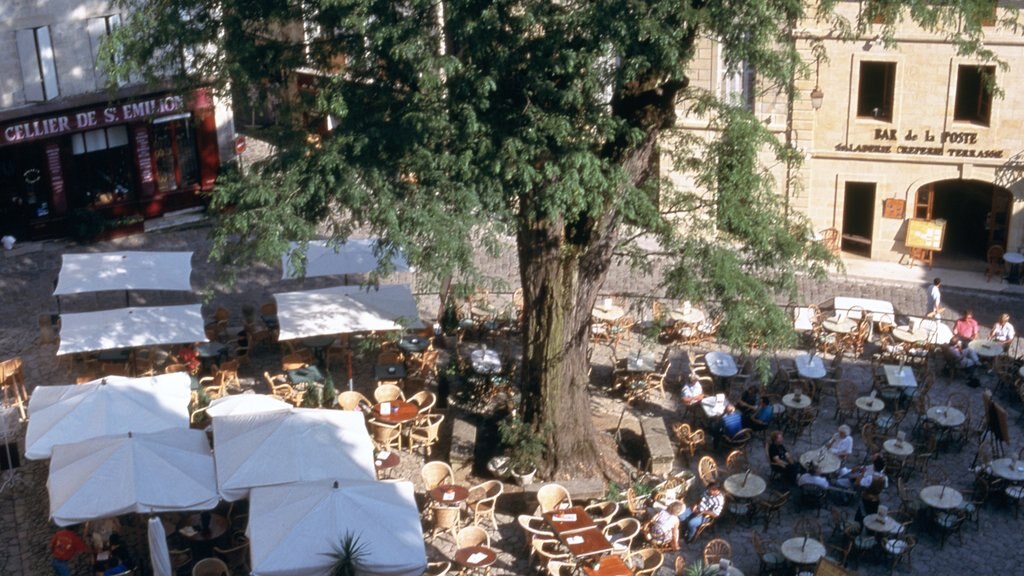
812 478
841 443
692 390
710 506
934 299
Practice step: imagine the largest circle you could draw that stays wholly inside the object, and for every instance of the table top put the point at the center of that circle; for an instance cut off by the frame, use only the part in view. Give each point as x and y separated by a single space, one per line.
899 377
839 325
878 523
115 355
317 341
413 343
210 349
485 361
712 407
904 334
1008 469
645 363
585 542
791 401
942 497
449 494
401 412
869 404
826 461
693 316
190 527
608 313
898 447
475 556
305 375
569 519
608 566
721 364
946 416
389 371
801 550
810 367
385 460
1013 257
744 485
986 348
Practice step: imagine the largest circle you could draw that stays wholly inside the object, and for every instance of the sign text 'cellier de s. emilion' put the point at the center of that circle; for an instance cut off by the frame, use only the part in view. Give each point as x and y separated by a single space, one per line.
89 119
927 143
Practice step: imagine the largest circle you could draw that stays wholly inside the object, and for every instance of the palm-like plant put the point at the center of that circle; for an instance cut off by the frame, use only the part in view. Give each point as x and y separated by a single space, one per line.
348 556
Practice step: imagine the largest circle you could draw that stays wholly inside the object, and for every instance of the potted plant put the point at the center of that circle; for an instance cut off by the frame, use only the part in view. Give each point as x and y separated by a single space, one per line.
348 556
697 568
525 447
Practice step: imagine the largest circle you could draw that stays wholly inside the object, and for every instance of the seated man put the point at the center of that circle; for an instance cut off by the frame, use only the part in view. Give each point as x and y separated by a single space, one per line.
960 356
781 459
762 418
966 328
748 402
692 390
703 512
841 443
663 529
730 425
812 478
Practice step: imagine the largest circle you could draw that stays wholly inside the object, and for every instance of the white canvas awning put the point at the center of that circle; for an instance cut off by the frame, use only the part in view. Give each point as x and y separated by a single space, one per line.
125 271
289 446
131 328
355 256
346 309
111 405
170 470
293 530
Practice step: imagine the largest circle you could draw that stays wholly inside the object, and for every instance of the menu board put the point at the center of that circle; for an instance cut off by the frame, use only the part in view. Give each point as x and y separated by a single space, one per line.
925 234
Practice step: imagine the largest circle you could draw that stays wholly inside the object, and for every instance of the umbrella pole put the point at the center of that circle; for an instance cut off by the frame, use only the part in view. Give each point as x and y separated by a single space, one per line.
349 356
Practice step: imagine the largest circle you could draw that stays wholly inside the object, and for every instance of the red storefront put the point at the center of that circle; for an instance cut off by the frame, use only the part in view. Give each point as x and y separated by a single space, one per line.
134 157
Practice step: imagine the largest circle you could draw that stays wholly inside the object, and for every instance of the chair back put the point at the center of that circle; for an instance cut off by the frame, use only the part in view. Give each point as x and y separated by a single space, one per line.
736 461
437 568
385 435
388 393
472 536
650 561
622 532
436 474
210 567
424 400
553 496
352 400
707 469
716 550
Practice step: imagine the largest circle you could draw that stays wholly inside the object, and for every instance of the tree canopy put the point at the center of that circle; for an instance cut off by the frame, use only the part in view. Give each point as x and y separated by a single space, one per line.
462 124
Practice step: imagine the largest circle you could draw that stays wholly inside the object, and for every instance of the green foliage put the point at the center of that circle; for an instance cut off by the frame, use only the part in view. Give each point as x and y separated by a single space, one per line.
330 393
524 443
348 556
697 568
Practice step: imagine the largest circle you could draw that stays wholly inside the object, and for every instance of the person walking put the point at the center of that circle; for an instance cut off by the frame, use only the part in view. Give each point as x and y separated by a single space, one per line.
935 300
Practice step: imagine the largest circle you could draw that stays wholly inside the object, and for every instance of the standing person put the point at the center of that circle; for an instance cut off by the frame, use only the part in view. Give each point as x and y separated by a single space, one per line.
64 546
966 328
935 299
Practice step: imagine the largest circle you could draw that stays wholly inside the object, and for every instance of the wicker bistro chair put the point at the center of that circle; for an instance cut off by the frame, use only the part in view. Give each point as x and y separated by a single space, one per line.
445 519
648 560
352 400
602 513
388 393
482 501
436 474
716 550
425 432
707 469
621 534
552 497
385 436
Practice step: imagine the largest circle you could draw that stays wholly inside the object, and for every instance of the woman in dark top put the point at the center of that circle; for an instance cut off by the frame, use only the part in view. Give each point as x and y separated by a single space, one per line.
782 460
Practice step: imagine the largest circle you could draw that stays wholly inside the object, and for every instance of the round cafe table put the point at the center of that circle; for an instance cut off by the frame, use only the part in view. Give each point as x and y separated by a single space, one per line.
385 462
839 325
1008 469
796 403
882 524
693 316
811 367
608 313
475 557
869 404
899 448
801 550
413 344
449 494
986 348
825 460
401 412
717 570
904 334
941 497
744 485
946 416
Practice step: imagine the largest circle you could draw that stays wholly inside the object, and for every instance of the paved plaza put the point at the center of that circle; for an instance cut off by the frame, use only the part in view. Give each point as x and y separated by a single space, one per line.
993 546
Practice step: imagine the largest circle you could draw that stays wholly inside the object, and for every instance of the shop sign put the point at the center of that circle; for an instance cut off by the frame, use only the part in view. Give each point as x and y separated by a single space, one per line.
924 143
89 119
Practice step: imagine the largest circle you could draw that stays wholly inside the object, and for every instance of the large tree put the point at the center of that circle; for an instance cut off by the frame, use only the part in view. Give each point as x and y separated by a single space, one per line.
461 124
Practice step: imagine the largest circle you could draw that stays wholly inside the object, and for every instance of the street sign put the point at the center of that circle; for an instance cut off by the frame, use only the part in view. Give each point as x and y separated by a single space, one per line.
239 144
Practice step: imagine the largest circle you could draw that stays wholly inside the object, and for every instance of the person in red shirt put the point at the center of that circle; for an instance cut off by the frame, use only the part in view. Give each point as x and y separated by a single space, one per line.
64 546
966 328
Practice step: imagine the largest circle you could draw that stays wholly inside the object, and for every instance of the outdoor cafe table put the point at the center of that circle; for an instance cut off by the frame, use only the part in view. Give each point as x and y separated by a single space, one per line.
869 404
905 334
449 494
578 532
899 377
640 363
882 524
691 316
791 400
413 344
389 372
810 367
1008 469
385 462
399 412
485 361
941 497
986 348
744 485
898 448
721 364
608 566
839 325
802 550
202 541
473 557
608 312
825 460
946 416
713 406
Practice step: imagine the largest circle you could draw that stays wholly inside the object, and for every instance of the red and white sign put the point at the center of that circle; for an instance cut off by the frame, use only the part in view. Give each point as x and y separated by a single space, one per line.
239 144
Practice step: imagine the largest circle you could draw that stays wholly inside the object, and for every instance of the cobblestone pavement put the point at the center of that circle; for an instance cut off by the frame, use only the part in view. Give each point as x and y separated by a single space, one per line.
27 277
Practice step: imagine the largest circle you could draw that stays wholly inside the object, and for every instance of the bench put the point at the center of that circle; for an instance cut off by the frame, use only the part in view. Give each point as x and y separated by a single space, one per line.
463 447
661 453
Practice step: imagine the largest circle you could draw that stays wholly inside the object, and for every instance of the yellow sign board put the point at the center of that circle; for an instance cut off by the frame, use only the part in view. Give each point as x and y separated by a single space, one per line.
925 234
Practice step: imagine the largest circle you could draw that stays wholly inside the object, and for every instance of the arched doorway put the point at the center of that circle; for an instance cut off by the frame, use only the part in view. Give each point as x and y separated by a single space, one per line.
977 216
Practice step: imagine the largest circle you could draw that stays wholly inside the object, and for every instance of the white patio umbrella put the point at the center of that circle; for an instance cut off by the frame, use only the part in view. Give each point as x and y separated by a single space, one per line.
111 405
293 530
131 328
285 447
159 555
346 309
170 470
355 256
245 404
